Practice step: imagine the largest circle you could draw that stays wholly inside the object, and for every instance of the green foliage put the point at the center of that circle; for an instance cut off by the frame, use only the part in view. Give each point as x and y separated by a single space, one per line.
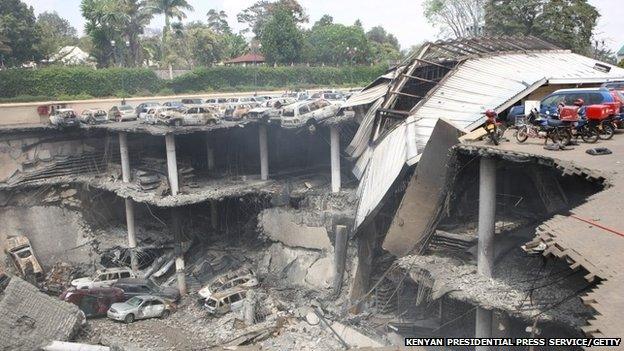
222 78
257 15
19 35
338 44
566 23
456 18
281 39
72 81
56 32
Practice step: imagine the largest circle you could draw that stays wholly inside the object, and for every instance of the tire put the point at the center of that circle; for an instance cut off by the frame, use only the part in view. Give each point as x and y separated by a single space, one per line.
589 135
165 314
493 136
129 318
522 134
607 132
564 137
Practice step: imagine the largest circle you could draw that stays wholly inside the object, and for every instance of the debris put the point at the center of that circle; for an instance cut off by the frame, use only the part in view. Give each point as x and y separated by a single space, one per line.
599 151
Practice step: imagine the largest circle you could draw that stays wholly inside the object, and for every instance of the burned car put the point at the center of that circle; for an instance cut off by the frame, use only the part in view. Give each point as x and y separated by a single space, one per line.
242 278
23 258
93 302
308 113
64 117
139 307
137 286
122 113
227 301
270 110
192 116
103 278
154 113
236 112
93 116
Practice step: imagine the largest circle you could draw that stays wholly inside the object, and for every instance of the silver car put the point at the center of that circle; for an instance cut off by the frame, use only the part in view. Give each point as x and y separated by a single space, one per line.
139 307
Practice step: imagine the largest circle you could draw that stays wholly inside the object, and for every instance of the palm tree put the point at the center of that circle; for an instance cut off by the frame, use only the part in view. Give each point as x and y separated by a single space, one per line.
169 8
135 16
217 21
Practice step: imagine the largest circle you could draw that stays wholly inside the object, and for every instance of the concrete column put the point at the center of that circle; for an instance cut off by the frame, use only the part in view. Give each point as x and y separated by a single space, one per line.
500 325
335 159
340 256
125 175
210 153
264 152
125 158
485 246
214 215
172 166
132 244
487 216
179 252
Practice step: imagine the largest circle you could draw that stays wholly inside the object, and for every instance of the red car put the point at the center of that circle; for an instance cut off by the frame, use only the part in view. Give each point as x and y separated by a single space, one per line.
95 301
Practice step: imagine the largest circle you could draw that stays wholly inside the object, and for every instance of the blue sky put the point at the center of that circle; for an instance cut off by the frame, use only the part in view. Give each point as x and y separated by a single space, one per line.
401 17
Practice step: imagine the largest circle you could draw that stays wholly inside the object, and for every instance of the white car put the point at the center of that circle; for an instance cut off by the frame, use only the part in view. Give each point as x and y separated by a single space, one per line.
139 307
103 278
152 114
308 113
241 279
93 116
64 117
192 116
122 113
227 301
270 110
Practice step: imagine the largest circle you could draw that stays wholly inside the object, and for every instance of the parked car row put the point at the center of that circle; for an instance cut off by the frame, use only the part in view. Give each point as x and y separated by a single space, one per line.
196 111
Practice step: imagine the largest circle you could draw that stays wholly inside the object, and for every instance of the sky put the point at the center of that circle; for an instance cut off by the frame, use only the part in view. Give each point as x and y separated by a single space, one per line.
403 18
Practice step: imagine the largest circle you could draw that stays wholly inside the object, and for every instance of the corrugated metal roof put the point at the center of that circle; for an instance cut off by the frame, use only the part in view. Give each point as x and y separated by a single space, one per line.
475 85
367 96
360 140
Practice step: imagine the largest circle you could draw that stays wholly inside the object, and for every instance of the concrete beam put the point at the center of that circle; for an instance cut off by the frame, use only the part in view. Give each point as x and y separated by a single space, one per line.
335 158
210 153
340 256
483 326
264 152
214 215
172 165
125 158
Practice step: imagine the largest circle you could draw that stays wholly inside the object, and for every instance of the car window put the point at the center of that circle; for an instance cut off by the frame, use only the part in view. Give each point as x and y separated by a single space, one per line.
211 303
304 109
23 254
570 98
144 288
594 98
235 298
124 275
552 100
102 277
323 103
135 301
157 303
113 276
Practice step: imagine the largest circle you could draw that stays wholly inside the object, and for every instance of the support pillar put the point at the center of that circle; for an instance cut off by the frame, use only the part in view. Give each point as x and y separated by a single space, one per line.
178 251
125 158
132 244
335 159
172 166
501 325
485 246
210 153
264 152
125 176
340 256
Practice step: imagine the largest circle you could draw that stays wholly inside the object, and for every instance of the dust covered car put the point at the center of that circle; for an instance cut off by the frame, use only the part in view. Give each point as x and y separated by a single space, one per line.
242 278
139 307
23 258
270 110
192 116
226 301
154 113
308 113
122 113
93 116
103 278
239 111
138 286
64 117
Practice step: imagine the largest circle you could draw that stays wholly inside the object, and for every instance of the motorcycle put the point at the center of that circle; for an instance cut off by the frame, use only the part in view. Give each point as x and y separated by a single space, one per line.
554 129
494 128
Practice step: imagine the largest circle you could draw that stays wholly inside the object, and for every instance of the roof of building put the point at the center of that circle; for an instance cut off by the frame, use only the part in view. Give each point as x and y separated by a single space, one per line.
247 58
30 319
621 51
457 80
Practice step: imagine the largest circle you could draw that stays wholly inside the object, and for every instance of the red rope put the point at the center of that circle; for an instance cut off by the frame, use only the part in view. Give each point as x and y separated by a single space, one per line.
597 225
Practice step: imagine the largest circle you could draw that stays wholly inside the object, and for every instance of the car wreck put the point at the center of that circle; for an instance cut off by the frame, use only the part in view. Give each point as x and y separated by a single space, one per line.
23 258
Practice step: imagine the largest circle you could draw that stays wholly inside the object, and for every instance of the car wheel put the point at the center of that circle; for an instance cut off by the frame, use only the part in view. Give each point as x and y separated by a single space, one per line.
129 318
165 314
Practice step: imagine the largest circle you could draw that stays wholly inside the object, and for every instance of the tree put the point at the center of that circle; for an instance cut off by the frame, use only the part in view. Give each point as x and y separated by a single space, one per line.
20 33
601 52
338 44
170 9
258 14
56 32
379 35
324 21
134 16
456 18
280 37
217 21
566 23
232 45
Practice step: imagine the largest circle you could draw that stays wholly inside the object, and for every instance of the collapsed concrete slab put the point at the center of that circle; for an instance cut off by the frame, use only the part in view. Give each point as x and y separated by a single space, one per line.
288 228
418 210
30 319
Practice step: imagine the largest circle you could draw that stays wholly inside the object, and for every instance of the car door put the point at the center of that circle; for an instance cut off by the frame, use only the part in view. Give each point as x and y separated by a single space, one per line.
144 310
157 308
100 280
192 116
112 278
236 301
